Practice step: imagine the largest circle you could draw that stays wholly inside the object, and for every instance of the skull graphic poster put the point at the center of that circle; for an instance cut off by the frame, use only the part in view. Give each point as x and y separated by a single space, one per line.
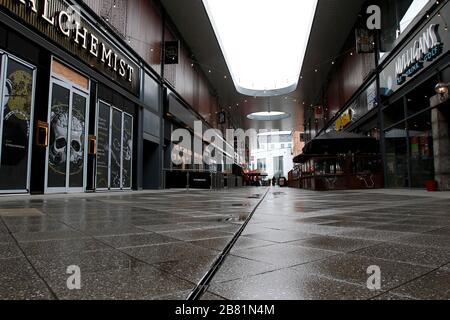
59 135
127 151
67 143
16 131
103 135
116 150
77 141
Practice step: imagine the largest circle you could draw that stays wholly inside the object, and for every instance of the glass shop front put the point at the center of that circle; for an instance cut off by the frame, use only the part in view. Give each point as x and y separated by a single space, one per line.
69 110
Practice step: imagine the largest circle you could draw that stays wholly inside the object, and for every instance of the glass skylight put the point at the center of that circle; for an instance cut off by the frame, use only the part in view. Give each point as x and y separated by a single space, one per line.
263 41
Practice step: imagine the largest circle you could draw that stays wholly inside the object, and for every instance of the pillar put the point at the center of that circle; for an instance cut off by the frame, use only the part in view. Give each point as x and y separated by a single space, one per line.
441 141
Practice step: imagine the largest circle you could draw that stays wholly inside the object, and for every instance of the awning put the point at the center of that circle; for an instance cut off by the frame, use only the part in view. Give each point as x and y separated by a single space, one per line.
335 143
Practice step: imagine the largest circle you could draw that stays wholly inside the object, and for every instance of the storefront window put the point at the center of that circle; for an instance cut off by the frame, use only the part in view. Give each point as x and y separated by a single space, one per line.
397 16
127 151
421 146
68 138
394 113
15 124
115 148
419 98
103 137
397 157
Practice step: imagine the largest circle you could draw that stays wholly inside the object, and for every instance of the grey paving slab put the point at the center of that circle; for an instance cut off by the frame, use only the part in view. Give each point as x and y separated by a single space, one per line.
168 252
425 256
190 269
216 243
283 255
9 250
140 283
434 286
289 285
353 269
193 235
279 236
136 240
335 243
238 268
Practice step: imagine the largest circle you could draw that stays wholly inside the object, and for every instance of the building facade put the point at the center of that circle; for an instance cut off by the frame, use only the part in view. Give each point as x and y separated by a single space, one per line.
89 100
273 155
390 93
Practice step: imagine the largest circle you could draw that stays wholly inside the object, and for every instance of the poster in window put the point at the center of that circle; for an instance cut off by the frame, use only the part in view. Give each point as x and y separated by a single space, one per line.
127 151
59 136
78 141
103 135
116 150
16 113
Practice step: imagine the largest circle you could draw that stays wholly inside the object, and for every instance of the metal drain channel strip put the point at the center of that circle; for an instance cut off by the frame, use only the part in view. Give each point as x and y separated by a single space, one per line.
204 283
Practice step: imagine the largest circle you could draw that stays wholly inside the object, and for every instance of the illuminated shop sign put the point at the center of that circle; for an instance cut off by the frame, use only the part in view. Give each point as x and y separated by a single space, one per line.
344 120
65 24
426 48
428 44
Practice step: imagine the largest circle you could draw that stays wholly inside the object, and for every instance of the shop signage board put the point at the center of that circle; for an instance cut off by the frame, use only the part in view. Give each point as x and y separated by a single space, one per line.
65 24
427 45
344 120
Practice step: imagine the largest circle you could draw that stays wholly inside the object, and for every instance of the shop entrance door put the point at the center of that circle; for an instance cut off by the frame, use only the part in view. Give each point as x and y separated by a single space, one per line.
66 153
17 85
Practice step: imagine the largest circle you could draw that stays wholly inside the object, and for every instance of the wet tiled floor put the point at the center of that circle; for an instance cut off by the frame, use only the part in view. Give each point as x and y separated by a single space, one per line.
155 245
320 246
159 245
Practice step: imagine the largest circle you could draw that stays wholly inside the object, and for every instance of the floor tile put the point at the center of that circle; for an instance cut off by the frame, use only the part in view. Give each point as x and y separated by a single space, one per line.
426 256
136 240
335 243
434 286
234 268
168 252
289 285
354 269
282 255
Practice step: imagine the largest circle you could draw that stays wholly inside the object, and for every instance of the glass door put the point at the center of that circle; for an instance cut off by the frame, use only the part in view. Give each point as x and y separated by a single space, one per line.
17 79
114 148
66 154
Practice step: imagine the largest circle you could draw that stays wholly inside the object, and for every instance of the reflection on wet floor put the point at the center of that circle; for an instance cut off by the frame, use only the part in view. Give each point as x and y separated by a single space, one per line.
128 246
320 246
298 245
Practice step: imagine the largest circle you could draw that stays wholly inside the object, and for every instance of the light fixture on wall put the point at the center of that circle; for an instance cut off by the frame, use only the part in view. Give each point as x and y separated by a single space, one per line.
263 41
442 88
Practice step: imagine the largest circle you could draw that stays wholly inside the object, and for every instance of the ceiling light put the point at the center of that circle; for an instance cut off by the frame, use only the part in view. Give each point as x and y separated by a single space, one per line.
263 41
268 116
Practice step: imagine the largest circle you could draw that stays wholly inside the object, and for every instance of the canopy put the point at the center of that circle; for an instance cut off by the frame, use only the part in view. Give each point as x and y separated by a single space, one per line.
335 143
